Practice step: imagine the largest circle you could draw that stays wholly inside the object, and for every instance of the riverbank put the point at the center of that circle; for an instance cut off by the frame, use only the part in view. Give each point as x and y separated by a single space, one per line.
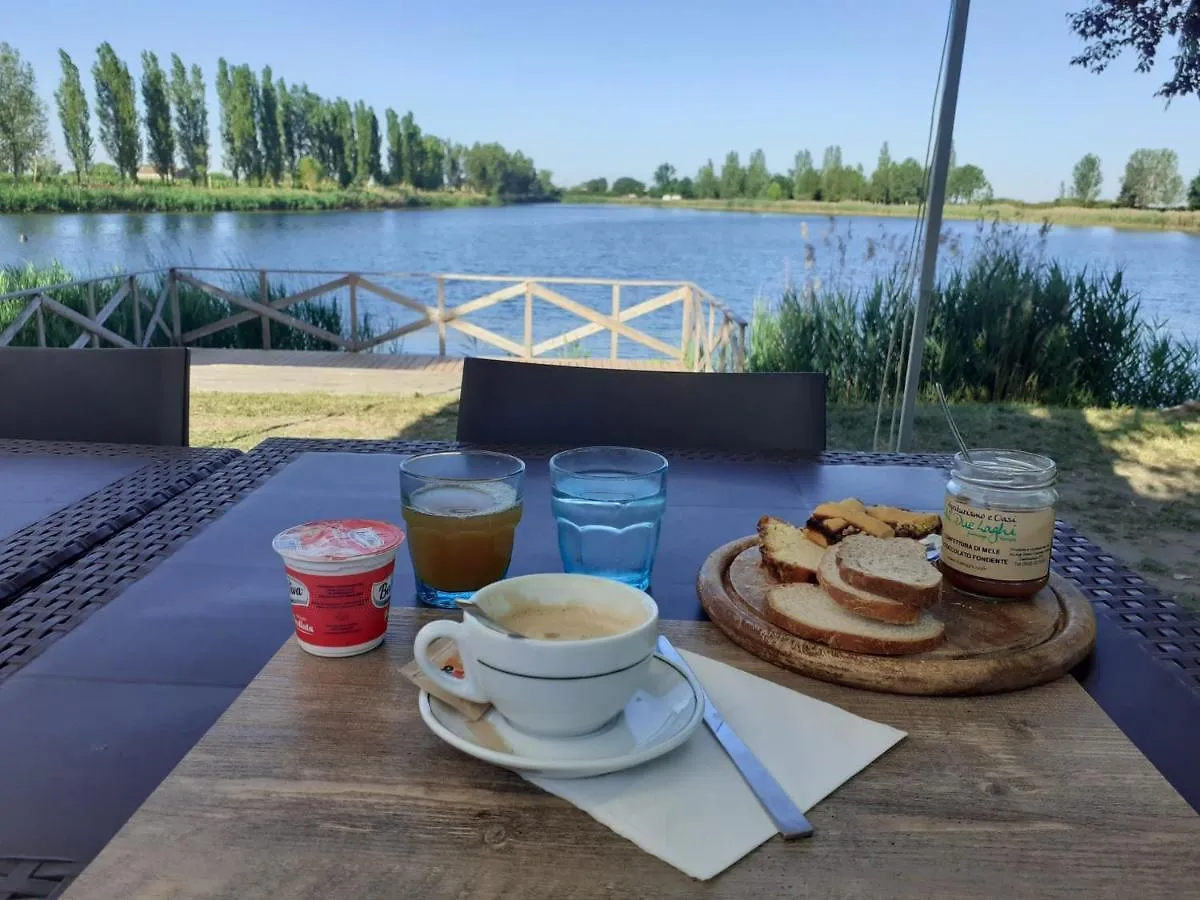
69 198
1128 477
1035 213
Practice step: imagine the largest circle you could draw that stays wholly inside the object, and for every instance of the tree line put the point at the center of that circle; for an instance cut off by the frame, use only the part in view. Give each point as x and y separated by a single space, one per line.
1151 179
891 182
270 132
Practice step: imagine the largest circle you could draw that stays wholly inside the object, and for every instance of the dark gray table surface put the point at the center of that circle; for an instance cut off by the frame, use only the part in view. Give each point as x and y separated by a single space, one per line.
93 724
34 487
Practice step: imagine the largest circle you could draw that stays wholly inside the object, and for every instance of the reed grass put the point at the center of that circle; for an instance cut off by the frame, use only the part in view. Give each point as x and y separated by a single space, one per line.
26 197
1005 325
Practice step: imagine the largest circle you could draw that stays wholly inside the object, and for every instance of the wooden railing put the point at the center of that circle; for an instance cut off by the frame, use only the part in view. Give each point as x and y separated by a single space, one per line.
711 336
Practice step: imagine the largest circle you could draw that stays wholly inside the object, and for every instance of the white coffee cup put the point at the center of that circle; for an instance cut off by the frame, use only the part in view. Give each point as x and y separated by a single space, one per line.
557 688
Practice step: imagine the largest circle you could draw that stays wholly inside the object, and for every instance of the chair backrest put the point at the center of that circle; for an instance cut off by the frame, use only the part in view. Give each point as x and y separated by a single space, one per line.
101 396
541 403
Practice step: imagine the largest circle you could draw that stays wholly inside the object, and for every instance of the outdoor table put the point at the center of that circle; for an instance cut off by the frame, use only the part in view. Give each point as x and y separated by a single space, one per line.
320 780
60 499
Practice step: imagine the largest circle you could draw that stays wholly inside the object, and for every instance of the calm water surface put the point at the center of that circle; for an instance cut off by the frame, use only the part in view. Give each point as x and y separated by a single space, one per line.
736 256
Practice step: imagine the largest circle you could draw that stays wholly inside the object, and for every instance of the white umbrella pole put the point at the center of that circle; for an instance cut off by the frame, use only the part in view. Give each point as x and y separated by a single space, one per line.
933 221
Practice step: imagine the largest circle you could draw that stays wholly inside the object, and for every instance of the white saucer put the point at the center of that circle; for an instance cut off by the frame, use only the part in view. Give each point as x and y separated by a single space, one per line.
660 717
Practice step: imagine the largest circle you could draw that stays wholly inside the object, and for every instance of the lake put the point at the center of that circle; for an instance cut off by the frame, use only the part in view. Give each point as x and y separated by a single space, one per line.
736 256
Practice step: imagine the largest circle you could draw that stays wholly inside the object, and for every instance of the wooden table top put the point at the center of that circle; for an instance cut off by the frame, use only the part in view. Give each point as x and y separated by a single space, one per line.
321 781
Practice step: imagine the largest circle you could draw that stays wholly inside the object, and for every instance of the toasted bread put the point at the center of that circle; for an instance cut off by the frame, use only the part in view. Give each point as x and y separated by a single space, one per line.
808 612
786 551
894 568
860 602
907 523
838 520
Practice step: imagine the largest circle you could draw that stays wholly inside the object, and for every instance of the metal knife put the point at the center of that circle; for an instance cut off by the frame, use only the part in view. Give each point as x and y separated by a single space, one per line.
788 817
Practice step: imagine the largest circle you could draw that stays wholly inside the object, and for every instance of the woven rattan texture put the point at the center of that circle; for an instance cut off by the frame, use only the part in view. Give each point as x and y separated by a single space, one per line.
27 879
28 556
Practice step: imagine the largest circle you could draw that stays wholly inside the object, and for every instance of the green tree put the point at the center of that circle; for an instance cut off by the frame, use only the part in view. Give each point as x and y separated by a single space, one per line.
160 139
1113 26
23 131
191 118
758 177
686 188
309 117
881 179
1086 180
1151 179
733 177
596 186
225 104
433 154
410 150
289 126
908 182
343 120
366 130
395 152
967 184
454 165
244 100
73 114
1194 193
623 187
806 180
269 133
832 179
783 185
664 179
707 186
116 110
309 173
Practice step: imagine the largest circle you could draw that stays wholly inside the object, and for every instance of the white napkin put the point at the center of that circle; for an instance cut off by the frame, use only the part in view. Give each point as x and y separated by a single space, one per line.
692 809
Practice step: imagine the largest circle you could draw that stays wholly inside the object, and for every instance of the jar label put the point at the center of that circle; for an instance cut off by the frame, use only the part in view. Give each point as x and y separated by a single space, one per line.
1002 544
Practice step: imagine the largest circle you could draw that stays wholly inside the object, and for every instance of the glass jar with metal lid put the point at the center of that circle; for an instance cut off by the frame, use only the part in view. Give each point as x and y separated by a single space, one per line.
998 526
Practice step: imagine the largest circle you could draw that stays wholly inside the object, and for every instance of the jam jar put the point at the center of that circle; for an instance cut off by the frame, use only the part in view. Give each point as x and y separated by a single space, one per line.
998 525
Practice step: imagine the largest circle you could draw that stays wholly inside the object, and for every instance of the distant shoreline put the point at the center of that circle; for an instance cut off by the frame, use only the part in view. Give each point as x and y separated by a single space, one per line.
1187 221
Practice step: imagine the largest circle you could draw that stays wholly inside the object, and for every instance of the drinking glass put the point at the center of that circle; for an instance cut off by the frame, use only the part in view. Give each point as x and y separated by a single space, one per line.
462 508
609 502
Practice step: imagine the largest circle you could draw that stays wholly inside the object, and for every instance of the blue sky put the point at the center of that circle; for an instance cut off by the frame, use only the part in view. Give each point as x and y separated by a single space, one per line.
615 88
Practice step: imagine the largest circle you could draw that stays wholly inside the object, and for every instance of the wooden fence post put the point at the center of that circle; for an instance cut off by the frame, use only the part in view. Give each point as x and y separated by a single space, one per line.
264 297
91 310
528 320
686 333
614 351
712 313
137 310
441 312
353 313
176 323
41 326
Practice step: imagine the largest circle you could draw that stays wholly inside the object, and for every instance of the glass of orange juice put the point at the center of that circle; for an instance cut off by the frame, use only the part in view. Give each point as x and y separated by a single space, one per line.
461 508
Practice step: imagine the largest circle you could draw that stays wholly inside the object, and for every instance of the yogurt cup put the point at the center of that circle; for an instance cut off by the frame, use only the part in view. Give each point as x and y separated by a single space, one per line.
339 574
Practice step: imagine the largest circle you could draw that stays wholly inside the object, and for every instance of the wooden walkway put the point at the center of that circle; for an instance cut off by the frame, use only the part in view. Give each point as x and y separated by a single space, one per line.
335 372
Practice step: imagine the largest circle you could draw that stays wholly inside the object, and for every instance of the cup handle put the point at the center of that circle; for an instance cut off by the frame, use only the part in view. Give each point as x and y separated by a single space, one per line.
465 687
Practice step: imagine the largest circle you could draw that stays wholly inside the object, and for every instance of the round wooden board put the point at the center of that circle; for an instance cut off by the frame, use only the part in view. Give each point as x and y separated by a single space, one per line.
990 646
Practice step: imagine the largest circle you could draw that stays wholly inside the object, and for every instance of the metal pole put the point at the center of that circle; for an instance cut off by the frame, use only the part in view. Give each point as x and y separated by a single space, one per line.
933 221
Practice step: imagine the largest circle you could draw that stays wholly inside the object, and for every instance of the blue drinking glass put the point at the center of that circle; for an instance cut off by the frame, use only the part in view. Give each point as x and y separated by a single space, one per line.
608 503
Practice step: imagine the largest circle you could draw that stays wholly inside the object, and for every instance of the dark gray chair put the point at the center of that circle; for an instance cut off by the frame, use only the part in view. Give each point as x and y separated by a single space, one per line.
533 403
105 396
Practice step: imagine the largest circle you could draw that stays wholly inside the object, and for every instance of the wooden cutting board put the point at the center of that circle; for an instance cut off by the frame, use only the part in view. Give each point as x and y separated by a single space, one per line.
990 646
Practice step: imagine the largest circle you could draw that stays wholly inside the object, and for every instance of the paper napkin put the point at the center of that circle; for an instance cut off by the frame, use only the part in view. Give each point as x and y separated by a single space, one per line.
692 809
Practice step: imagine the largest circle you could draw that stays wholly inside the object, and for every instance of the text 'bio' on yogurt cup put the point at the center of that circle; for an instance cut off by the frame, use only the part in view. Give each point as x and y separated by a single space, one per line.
339 574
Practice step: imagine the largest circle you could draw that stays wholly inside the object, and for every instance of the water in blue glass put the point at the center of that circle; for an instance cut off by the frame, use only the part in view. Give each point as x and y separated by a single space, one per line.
608 524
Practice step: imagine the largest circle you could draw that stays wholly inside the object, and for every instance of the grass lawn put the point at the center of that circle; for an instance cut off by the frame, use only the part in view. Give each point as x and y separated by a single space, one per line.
1129 479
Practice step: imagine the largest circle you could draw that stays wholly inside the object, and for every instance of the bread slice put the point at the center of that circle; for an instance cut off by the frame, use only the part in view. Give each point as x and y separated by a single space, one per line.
907 523
895 568
786 551
860 602
808 612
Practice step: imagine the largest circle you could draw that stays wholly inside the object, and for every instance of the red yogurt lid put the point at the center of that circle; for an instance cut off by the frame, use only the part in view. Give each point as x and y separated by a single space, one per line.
336 540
